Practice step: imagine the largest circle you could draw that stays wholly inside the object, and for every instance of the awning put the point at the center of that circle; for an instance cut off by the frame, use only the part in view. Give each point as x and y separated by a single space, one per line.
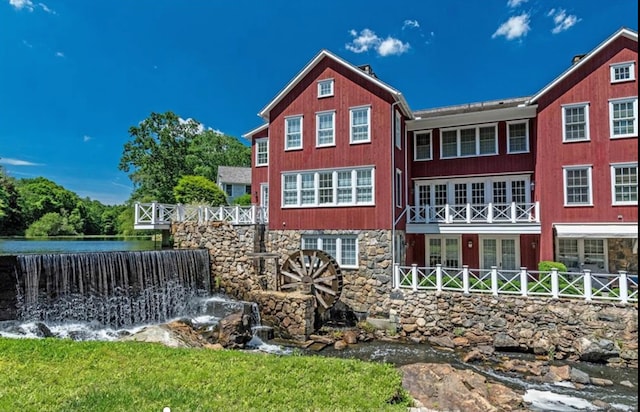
597 230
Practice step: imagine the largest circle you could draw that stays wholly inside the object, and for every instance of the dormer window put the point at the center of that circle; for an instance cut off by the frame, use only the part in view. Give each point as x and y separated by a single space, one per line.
622 72
325 88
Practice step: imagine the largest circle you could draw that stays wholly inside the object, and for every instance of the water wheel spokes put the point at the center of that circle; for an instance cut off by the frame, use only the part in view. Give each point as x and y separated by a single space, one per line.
314 272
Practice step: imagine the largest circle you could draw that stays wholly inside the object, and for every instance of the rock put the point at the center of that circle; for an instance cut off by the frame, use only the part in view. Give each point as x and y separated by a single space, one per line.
596 350
174 334
441 341
350 336
340 345
234 331
601 382
579 376
444 388
502 341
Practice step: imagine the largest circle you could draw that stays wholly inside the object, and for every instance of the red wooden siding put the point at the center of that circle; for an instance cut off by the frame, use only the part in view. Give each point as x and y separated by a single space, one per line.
350 91
592 84
259 175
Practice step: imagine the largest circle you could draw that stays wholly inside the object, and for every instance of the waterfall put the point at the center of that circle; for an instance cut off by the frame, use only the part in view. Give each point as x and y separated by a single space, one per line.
110 288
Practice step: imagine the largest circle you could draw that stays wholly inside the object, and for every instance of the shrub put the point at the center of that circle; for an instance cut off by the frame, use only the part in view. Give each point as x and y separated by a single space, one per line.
547 265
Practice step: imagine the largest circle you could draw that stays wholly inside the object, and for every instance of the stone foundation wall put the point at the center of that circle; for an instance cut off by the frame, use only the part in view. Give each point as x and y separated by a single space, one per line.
621 256
540 325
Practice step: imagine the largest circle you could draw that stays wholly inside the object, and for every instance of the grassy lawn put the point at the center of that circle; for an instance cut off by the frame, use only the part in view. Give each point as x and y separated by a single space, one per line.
63 375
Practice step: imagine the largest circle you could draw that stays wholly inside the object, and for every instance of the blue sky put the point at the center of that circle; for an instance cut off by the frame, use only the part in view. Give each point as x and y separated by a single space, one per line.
75 75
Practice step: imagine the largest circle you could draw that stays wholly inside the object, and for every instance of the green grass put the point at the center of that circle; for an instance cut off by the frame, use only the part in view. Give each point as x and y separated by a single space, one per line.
63 375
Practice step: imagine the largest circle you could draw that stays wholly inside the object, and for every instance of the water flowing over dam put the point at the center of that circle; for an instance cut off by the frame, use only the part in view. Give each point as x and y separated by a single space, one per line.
115 289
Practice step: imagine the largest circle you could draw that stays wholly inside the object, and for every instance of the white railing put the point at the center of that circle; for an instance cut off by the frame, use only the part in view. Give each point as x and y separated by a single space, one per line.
159 214
469 213
620 287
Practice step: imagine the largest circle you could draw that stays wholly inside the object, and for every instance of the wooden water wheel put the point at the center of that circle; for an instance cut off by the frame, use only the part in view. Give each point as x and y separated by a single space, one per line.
313 271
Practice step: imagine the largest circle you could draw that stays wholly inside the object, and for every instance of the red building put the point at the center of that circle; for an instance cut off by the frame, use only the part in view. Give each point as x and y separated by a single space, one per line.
343 164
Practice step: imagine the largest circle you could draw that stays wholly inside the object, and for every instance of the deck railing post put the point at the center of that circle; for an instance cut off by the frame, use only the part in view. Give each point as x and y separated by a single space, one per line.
587 285
537 211
154 212
465 279
622 285
396 276
447 213
468 212
414 277
523 281
490 212
254 214
554 283
439 277
136 213
494 280
236 215
513 212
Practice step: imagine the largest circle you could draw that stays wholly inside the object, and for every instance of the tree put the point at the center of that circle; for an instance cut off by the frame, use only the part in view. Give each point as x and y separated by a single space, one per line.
51 224
199 189
39 196
243 200
155 159
211 149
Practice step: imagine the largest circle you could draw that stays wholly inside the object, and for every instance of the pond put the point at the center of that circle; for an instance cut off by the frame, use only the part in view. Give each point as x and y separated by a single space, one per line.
19 246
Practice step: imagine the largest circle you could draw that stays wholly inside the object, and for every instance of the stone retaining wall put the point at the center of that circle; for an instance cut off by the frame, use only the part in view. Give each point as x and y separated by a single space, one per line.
560 327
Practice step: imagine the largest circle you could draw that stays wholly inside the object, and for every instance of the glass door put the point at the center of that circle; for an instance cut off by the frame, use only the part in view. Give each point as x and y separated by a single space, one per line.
500 252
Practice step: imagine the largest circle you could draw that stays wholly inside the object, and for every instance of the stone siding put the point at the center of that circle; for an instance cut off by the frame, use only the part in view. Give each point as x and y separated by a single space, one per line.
291 315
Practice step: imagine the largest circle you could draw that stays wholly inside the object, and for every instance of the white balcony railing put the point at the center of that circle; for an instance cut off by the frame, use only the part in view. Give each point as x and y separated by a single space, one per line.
161 215
469 213
620 287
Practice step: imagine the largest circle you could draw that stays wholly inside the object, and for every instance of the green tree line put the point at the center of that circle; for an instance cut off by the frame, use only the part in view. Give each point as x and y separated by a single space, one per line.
168 160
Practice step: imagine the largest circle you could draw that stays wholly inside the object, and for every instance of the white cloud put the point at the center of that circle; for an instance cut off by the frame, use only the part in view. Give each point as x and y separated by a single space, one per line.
22 4
45 8
367 40
515 3
515 27
86 138
59 54
561 20
411 24
17 162
391 46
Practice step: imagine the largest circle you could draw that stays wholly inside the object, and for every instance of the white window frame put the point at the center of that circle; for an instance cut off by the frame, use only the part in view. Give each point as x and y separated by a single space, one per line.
614 167
319 193
262 148
287 135
631 70
321 88
352 140
585 107
415 145
634 120
488 193
339 239
443 249
589 169
526 136
398 130
477 128
333 128
398 188
580 254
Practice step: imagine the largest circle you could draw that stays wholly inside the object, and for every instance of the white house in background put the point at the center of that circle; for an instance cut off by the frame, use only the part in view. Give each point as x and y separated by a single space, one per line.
234 181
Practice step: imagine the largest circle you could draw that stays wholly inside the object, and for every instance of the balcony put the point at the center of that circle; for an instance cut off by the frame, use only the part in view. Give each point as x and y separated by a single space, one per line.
160 215
520 217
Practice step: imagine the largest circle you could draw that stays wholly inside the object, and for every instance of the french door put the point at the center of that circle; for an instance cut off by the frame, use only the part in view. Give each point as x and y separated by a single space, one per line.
502 252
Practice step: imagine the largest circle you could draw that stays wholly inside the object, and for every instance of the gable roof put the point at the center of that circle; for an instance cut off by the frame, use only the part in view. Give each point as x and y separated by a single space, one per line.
623 32
250 133
233 174
264 113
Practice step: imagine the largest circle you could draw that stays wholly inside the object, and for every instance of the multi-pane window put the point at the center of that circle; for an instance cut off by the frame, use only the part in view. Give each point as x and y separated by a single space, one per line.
325 88
469 141
444 251
325 129
575 123
360 119
577 185
422 146
343 248
621 72
478 191
328 188
624 117
624 183
518 137
580 254
262 152
293 133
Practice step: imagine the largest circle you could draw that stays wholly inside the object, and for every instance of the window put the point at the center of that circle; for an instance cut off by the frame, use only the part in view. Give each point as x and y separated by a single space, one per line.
344 187
621 72
469 141
325 129
228 189
580 254
499 190
247 189
422 146
325 88
398 130
444 251
518 137
343 248
577 186
398 188
293 133
575 123
262 152
624 117
360 125
624 184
